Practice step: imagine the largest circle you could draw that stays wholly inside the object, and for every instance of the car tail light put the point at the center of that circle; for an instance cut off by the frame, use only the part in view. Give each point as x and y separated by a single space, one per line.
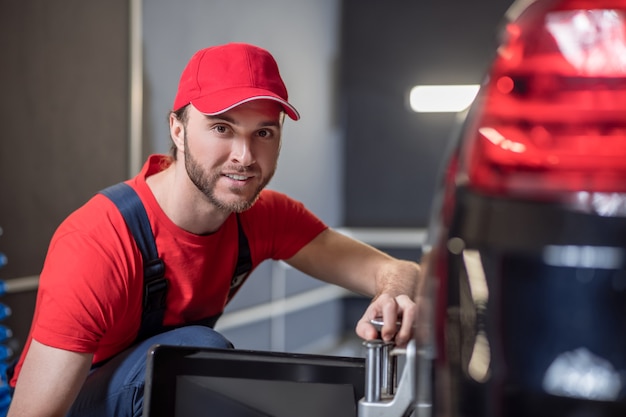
551 116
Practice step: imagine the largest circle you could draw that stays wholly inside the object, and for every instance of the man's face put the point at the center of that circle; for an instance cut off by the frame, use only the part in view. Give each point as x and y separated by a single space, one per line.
231 157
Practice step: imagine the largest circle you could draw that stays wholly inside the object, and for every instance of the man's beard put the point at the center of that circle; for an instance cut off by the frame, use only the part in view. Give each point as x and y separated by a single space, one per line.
206 183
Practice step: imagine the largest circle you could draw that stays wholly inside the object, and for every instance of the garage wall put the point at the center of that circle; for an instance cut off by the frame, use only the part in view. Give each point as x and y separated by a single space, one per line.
358 158
392 155
64 117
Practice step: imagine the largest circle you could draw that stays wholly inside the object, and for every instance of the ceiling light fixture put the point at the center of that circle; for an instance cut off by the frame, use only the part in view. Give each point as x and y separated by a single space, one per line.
442 98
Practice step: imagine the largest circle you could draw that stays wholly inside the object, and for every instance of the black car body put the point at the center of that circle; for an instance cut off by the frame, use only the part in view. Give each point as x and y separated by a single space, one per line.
527 257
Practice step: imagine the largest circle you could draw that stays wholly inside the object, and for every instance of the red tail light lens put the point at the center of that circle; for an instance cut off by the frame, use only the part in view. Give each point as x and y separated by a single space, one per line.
551 116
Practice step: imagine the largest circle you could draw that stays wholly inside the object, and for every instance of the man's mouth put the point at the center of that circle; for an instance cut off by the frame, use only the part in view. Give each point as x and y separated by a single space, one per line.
237 177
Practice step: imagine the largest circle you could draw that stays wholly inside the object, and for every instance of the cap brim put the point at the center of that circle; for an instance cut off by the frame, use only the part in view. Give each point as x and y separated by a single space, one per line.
220 102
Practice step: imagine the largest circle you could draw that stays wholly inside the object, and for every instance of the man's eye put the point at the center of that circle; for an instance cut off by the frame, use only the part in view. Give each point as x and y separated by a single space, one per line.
220 129
264 133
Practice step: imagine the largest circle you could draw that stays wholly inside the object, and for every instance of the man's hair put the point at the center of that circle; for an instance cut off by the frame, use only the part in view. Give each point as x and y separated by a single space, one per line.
183 116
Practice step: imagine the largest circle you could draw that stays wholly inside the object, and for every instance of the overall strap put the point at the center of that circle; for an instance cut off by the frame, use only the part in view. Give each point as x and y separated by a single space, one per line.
155 283
244 262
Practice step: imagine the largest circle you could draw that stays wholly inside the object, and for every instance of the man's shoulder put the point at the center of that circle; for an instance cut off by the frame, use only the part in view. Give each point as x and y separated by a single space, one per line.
97 217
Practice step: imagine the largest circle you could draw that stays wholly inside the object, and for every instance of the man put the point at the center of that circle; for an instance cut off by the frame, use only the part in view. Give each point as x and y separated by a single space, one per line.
83 357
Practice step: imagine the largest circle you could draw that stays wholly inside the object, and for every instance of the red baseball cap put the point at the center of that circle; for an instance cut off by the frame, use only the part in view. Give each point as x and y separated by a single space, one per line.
221 77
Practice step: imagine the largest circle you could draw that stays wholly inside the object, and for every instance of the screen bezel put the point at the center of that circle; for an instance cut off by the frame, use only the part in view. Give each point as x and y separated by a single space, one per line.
165 363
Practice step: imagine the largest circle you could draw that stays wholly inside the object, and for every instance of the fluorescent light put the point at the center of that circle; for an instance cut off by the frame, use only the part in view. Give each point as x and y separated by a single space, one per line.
442 98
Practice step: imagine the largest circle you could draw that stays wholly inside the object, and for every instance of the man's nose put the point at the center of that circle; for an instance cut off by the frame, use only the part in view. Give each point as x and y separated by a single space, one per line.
242 151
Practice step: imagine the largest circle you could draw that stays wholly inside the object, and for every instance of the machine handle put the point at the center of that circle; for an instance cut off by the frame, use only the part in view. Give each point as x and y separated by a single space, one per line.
384 396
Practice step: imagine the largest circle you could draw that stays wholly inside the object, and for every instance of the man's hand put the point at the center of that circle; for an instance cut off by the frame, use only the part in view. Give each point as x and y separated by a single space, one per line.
393 310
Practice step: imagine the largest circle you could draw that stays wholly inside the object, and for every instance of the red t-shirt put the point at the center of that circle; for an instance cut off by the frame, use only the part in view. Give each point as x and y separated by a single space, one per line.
91 285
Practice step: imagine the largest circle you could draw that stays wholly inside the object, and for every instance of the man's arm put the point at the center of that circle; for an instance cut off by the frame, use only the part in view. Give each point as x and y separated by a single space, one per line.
393 283
49 381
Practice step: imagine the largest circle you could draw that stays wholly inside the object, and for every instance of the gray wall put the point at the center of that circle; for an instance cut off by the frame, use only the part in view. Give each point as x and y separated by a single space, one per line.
387 47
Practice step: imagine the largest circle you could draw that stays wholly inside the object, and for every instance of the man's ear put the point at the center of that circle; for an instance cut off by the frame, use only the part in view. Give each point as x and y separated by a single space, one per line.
177 131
